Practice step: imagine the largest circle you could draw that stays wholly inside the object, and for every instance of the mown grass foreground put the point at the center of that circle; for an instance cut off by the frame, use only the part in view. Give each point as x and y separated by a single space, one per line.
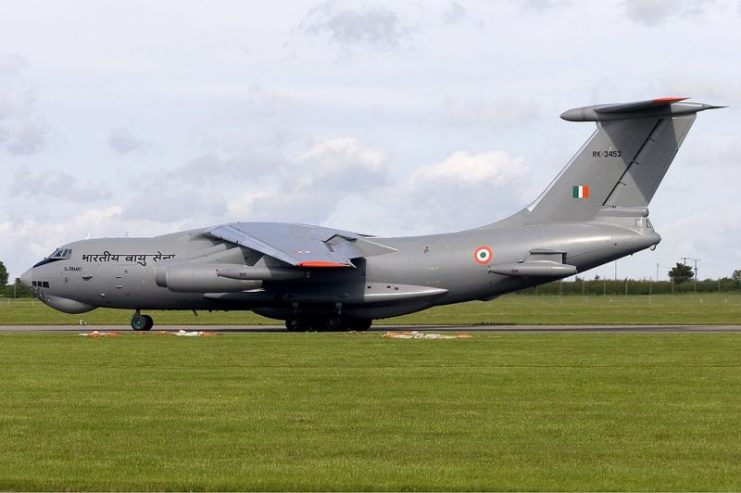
697 309
319 411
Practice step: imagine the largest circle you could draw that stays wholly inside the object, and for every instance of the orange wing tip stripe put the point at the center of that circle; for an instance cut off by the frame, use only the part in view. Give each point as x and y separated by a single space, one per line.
322 263
668 99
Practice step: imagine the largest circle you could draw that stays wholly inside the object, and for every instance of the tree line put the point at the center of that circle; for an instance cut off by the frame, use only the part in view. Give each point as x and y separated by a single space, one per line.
15 290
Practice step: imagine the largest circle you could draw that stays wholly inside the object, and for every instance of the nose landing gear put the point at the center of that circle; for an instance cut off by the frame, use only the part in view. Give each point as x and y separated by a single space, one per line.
141 322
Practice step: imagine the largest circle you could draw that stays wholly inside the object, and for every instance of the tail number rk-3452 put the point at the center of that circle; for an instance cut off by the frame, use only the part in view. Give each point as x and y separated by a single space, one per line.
596 154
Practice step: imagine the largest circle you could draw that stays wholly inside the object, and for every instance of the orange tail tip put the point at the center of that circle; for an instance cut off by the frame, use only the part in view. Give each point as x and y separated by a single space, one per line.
668 99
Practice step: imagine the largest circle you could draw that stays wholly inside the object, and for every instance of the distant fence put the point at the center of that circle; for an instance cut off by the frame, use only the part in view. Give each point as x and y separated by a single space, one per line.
632 287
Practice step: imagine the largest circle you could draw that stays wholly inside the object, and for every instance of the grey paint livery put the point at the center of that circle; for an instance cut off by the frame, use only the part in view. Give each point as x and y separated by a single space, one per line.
313 277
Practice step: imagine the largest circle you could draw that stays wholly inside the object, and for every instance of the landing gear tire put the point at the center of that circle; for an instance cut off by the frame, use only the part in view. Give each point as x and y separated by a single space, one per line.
360 325
332 324
141 322
298 325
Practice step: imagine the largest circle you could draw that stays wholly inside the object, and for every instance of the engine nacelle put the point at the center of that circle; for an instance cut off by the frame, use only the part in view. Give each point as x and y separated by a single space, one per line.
200 278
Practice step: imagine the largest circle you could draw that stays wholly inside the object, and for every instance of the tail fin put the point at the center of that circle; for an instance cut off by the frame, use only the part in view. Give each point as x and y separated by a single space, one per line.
622 163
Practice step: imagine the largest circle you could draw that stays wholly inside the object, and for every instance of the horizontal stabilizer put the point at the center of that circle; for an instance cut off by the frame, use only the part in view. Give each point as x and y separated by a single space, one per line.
652 108
536 268
637 106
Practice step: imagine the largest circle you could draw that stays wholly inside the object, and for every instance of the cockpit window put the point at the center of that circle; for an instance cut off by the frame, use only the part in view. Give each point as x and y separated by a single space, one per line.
58 254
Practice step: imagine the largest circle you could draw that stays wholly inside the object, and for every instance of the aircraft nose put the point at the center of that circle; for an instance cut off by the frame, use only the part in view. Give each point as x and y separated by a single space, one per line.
27 277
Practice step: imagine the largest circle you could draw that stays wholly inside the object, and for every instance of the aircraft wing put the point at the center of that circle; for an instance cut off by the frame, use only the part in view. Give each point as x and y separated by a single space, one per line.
299 245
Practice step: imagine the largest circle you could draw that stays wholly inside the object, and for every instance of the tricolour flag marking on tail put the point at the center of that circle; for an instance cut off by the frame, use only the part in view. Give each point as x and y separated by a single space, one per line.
580 191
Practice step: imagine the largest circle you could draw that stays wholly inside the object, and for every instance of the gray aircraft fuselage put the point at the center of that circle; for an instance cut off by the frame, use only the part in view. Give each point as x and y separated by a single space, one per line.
318 278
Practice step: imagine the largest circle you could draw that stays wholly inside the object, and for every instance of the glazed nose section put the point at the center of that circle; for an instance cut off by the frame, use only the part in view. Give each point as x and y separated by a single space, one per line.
27 278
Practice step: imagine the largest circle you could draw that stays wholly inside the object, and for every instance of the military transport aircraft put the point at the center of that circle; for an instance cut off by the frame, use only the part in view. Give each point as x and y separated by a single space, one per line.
318 278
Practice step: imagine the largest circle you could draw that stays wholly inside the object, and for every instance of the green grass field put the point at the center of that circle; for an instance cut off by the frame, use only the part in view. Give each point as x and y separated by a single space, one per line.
320 411
513 309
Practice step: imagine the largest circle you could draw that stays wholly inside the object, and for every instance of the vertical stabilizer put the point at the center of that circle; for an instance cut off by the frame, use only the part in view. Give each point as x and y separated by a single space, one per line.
622 163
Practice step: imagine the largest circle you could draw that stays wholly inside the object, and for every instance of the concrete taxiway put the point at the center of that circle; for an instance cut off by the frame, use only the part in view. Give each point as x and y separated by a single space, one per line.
384 328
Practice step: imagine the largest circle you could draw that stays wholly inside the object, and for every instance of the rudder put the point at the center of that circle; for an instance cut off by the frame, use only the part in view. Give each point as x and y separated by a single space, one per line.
643 175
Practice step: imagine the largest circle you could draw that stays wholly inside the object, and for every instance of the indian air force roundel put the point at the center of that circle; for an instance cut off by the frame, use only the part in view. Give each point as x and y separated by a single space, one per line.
483 255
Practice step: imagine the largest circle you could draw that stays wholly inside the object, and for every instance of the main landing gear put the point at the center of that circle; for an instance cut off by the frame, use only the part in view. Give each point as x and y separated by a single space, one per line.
141 322
330 324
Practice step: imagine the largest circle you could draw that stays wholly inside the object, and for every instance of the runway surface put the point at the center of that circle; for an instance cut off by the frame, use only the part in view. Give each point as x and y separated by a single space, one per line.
384 328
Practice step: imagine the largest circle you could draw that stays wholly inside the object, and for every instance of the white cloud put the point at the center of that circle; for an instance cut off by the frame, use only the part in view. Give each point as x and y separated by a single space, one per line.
328 161
309 187
544 5
351 24
650 12
470 170
122 141
23 130
30 240
454 13
713 90
714 152
257 122
464 190
53 185
713 240
497 113
163 202
657 12
241 186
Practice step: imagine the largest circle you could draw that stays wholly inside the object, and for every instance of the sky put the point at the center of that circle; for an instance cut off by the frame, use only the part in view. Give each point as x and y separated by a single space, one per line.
139 118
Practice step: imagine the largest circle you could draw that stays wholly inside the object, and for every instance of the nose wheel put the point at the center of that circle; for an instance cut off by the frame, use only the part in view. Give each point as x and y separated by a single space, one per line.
141 322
